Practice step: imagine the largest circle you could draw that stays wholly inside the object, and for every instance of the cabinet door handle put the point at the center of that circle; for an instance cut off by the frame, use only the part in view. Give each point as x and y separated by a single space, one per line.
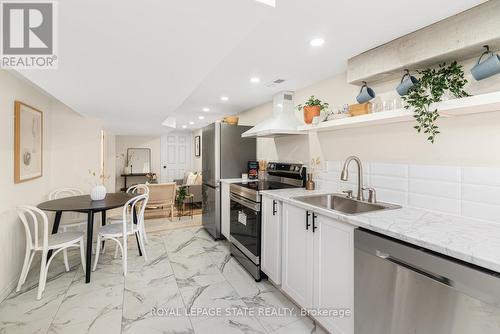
307 220
274 208
314 222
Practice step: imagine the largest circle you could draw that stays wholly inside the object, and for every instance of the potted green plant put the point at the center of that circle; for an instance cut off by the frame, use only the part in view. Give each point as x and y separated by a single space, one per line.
312 108
181 196
433 85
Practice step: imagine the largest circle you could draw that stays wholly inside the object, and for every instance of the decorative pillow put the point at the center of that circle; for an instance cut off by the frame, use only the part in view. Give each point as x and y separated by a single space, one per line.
190 179
198 180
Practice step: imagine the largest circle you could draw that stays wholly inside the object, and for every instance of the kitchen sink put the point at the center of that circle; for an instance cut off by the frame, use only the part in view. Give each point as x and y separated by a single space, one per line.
341 203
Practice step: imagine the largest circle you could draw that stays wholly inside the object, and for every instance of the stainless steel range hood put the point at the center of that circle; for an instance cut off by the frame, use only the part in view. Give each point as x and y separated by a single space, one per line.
283 122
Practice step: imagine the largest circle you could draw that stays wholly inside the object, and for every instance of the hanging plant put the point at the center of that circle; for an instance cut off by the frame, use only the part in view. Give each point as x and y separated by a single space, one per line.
433 84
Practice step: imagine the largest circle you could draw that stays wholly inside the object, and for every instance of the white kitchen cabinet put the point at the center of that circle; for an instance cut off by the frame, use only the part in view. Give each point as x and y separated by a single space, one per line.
271 239
297 269
318 265
334 272
225 208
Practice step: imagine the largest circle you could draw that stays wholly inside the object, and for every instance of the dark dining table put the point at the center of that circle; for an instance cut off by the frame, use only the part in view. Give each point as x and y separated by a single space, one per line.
84 204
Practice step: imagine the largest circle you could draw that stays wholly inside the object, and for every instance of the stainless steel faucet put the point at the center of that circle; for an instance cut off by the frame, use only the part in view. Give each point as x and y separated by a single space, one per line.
345 175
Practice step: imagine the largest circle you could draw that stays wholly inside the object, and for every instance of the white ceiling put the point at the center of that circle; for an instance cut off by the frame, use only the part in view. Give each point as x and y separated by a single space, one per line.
135 63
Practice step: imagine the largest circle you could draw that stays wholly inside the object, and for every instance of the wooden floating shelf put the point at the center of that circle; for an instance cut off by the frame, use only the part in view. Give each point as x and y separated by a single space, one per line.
464 106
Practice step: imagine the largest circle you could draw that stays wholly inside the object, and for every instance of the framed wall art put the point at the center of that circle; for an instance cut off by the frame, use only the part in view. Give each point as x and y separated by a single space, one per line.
197 144
28 142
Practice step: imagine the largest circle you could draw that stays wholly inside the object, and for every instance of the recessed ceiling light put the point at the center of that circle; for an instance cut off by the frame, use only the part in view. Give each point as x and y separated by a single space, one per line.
224 98
201 117
184 126
255 80
317 42
206 109
191 123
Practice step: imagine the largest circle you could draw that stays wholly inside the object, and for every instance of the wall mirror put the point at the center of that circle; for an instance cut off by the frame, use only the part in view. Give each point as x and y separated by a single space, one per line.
139 160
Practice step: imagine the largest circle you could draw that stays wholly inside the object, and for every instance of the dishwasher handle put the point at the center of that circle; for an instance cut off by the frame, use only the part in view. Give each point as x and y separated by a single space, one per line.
427 273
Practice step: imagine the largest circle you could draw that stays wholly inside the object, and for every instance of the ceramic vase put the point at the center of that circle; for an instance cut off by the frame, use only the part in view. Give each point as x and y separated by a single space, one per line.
98 193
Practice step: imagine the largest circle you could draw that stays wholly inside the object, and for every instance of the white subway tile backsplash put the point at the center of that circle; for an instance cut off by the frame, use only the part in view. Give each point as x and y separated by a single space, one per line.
481 211
481 175
468 191
393 183
440 173
392 170
435 188
392 196
333 166
480 193
326 185
347 186
441 204
333 176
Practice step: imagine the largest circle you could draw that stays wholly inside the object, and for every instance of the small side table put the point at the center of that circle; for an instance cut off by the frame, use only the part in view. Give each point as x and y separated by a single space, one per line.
125 176
182 212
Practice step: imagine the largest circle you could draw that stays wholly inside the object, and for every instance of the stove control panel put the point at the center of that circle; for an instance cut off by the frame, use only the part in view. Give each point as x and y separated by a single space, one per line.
294 170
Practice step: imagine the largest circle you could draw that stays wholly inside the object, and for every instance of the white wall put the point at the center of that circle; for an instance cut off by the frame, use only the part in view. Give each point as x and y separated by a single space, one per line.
460 169
466 140
122 143
71 147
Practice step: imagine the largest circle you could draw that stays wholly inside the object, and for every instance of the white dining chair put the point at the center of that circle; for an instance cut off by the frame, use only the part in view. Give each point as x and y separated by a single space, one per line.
119 232
137 189
69 220
36 226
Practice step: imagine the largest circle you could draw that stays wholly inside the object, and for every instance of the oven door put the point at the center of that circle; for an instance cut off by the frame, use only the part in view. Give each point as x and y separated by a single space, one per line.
245 227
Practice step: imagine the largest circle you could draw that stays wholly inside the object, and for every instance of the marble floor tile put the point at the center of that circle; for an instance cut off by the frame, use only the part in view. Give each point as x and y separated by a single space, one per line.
272 308
22 313
141 303
156 271
87 306
301 326
176 240
186 270
56 271
108 322
219 296
242 282
229 325
219 253
160 325
194 268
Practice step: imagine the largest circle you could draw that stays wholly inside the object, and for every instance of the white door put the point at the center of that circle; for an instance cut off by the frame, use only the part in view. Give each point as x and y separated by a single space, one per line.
271 239
334 272
297 271
175 155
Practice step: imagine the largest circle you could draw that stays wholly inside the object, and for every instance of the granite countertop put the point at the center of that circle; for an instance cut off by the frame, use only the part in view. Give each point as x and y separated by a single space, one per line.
470 240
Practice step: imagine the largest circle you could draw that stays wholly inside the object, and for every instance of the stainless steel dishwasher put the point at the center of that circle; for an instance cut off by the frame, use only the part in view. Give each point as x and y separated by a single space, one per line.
405 289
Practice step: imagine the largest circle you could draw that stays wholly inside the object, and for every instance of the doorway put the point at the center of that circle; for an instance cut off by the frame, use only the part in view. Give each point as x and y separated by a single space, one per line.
175 155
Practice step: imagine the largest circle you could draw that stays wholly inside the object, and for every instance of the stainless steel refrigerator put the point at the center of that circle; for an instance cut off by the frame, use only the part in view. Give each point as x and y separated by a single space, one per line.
224 155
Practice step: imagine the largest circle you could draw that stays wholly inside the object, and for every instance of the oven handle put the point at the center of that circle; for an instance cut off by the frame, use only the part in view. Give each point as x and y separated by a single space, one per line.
246 203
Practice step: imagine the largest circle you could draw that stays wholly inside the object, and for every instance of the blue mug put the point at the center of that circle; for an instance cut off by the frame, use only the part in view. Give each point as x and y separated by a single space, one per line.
407 82
487 68
365 94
